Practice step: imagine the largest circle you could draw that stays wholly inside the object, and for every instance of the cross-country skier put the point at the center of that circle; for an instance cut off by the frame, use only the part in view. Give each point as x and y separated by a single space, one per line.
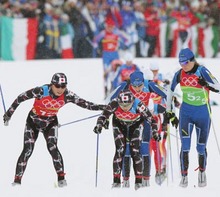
157 76
195 81
42 118
159 148
141 89
124 71
110 39
128 116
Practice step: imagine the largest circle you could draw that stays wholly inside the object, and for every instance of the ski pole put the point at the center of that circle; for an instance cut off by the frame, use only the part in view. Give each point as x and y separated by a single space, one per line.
3 100
177 138
210 115
158 160
178 150
168 159
97 158
79 120
177 142
170 152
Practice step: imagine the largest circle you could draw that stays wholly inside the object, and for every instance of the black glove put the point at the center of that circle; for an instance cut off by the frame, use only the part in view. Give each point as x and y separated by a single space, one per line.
202 82
171 117
156 135
6 119
166 81
98 129
176 102
106 124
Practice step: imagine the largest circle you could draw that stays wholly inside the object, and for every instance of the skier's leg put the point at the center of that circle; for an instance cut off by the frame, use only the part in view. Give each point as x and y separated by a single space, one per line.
126 163
135 142
145 152
120 145
30 136
51 137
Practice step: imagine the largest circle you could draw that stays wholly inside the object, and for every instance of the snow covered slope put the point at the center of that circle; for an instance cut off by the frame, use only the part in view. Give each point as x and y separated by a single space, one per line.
77 142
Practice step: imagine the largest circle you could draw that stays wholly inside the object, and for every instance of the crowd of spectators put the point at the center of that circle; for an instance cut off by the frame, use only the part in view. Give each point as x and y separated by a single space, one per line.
139 19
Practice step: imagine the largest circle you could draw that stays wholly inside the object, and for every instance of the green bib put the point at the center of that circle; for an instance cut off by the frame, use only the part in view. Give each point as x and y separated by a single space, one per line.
194 96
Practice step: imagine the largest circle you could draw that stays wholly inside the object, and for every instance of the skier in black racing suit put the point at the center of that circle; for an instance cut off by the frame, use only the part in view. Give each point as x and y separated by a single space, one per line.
43 118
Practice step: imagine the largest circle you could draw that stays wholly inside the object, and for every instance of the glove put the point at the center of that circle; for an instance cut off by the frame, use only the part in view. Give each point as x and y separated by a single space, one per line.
166 81
202 82
6 119
176 102
156 135
98 129
171 117
106 124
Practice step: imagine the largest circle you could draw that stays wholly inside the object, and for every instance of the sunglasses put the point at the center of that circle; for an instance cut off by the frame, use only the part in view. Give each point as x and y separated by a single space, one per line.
60 86
184 63
125 106
137 85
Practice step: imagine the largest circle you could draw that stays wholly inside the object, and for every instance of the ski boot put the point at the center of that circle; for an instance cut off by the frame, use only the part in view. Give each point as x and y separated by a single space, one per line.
202 182
116 182
146 181
138 186
16 184
62 183
126 183
138 183
17 181
184 181
160 177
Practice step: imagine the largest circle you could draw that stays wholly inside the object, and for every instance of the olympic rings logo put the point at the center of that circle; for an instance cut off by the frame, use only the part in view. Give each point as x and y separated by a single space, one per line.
189 81
53 103
122 115
141 96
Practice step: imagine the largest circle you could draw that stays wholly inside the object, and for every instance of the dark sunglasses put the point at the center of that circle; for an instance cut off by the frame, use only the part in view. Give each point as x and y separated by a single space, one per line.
125 105
60 86
137 85
184 63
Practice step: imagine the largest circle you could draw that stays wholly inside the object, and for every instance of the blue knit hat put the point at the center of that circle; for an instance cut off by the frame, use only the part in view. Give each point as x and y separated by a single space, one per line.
137 78
185 55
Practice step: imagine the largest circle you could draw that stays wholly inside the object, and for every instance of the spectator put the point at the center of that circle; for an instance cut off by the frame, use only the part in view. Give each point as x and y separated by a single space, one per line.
81 47
152 30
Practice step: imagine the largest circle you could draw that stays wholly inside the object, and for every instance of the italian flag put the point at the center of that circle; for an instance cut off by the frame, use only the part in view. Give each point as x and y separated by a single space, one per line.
208 41
66 43
18 38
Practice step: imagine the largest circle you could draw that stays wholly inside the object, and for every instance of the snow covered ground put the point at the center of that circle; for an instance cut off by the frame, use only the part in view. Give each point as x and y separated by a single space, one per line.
78 143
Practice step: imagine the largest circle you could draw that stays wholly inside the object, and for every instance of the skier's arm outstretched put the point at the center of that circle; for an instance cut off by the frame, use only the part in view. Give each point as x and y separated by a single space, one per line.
32 93
72 97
